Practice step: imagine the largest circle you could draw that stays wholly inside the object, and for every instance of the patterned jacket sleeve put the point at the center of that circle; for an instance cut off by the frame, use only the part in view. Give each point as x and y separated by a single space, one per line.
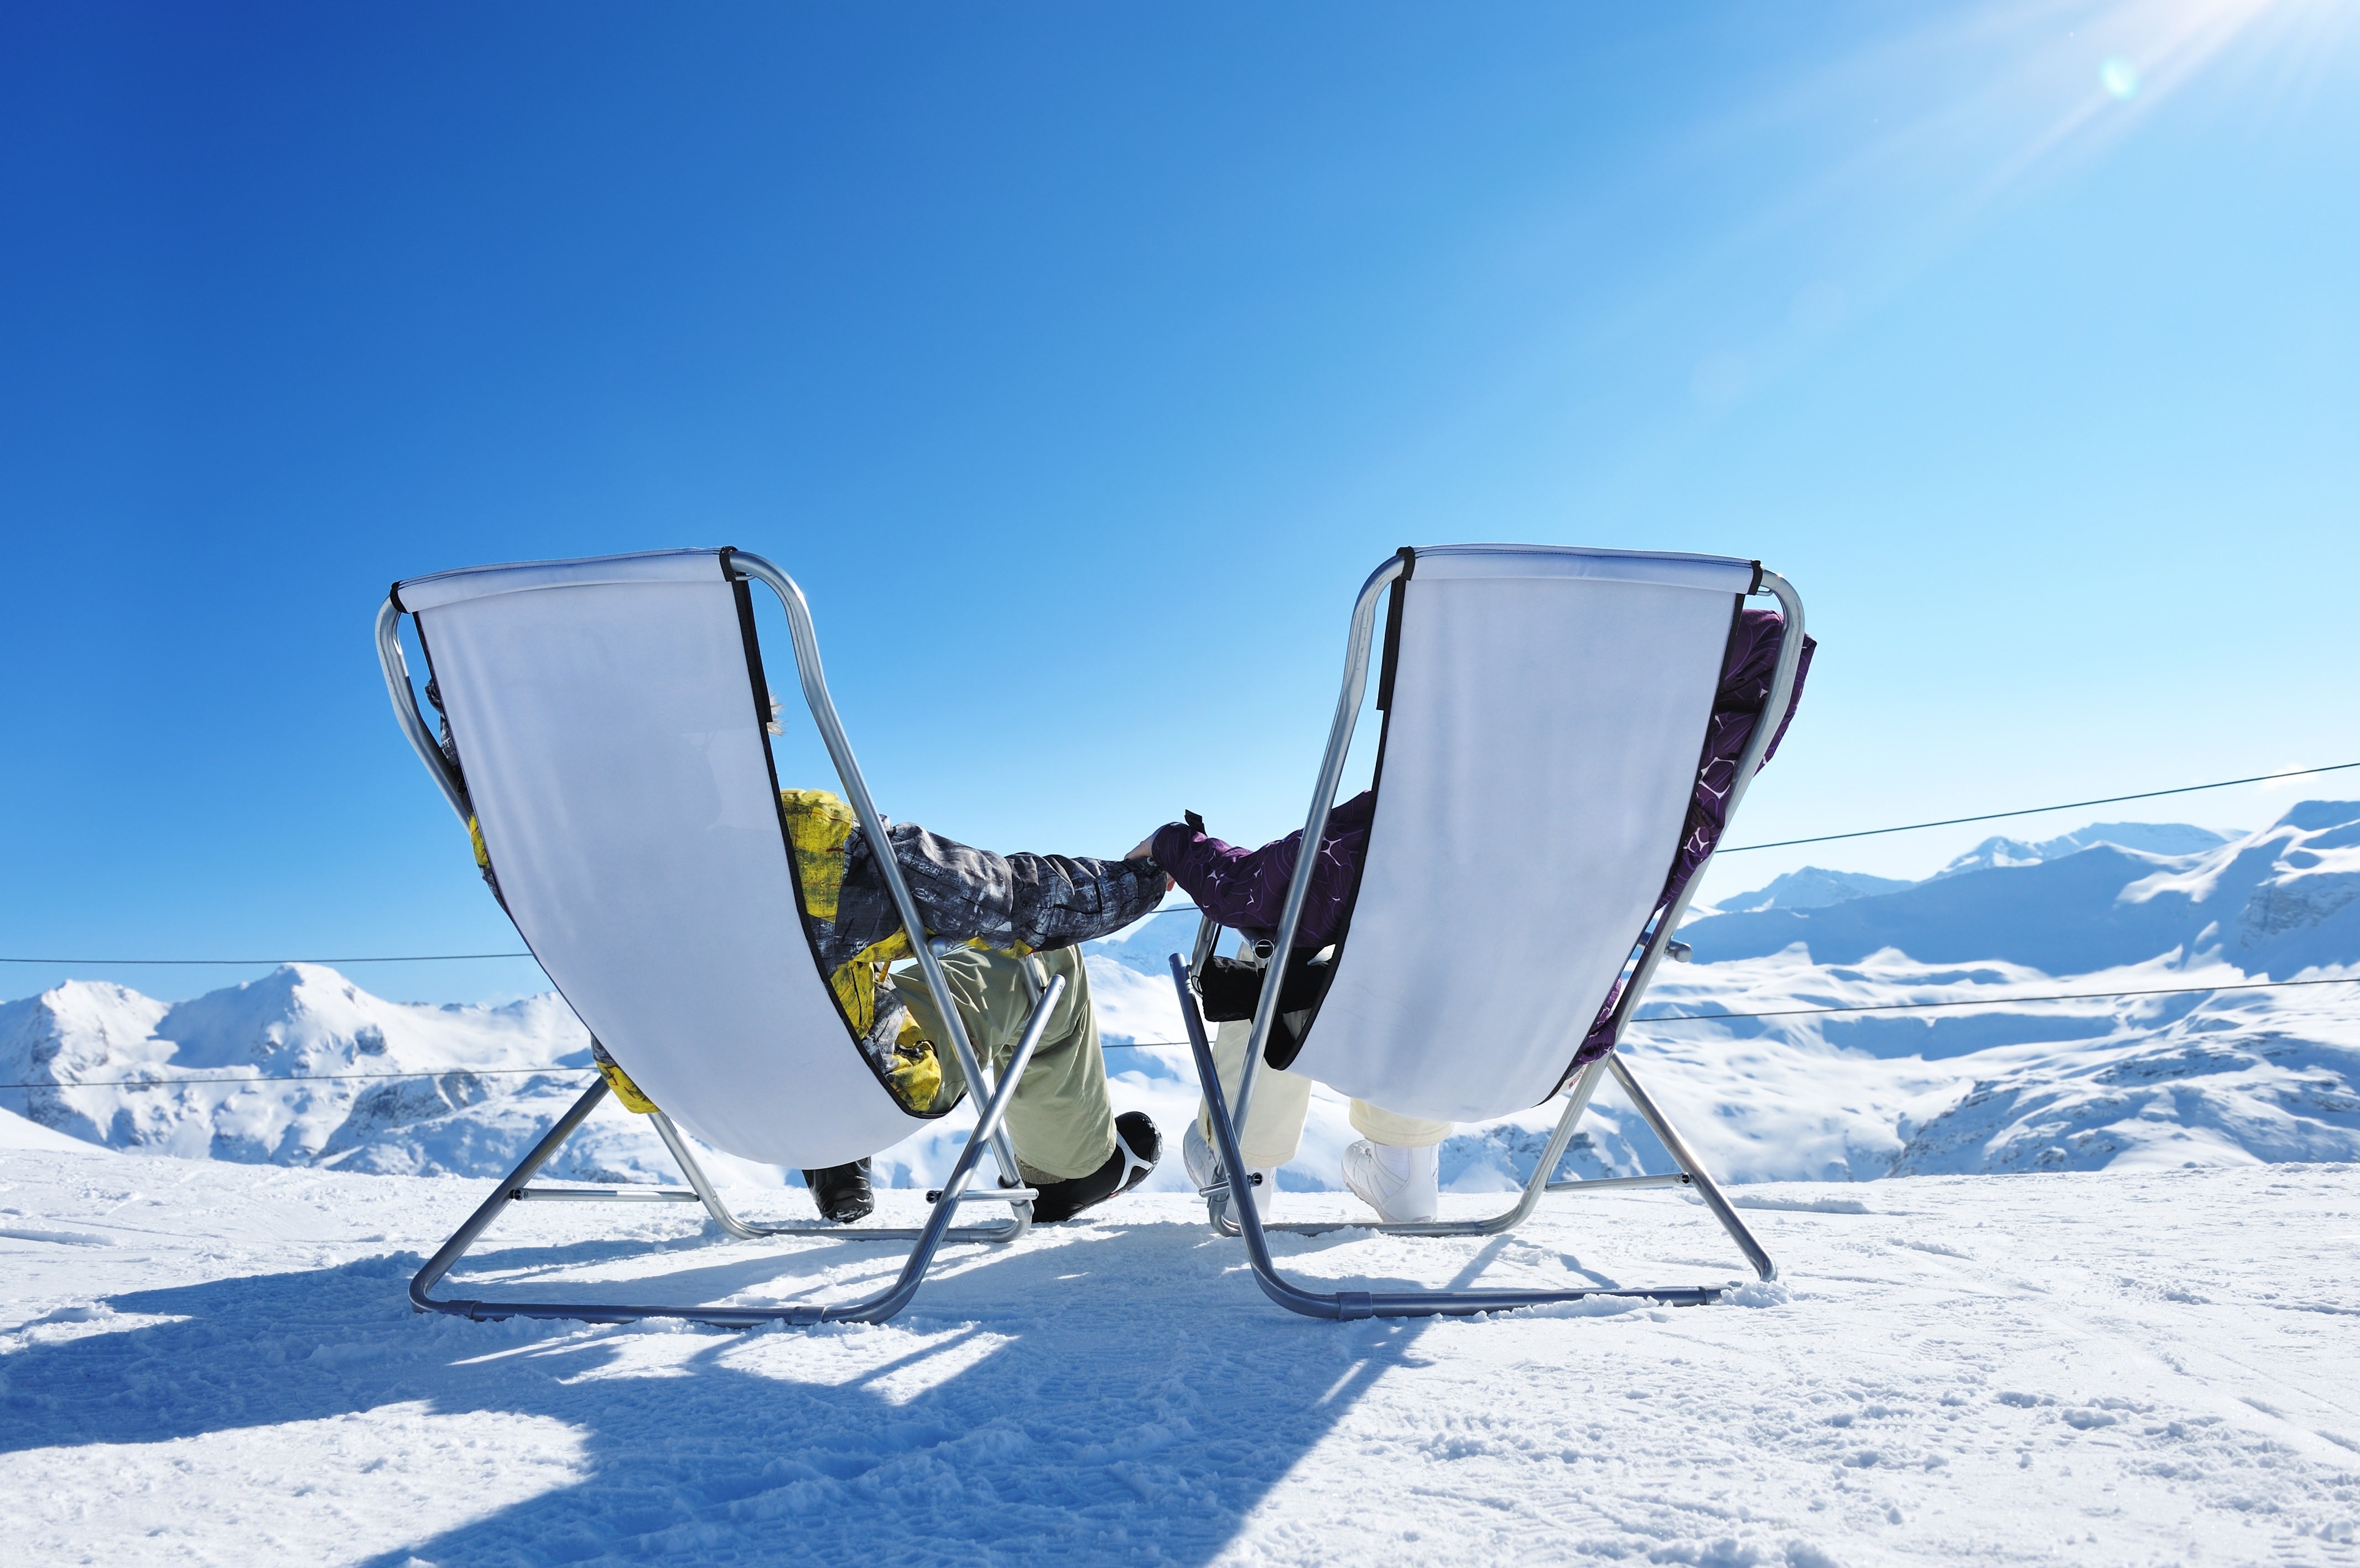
1245 889
1039 902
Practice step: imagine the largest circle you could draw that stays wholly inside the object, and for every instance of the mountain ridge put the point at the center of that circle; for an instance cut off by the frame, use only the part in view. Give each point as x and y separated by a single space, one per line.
2276 901
2216 1076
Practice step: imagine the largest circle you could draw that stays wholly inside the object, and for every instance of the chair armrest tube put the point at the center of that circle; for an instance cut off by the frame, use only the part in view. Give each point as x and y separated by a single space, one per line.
1323 800
405 705
1225 1140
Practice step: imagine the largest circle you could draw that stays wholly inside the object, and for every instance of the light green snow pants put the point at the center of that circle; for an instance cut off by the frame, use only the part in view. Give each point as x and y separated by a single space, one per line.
1061 1119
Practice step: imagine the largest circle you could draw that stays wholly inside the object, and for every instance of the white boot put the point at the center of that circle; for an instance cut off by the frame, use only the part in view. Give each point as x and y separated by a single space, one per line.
1204 1168
1398 1183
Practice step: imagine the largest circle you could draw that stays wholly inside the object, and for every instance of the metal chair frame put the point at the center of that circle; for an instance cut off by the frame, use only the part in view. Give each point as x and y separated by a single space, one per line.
1234 1218
992 1129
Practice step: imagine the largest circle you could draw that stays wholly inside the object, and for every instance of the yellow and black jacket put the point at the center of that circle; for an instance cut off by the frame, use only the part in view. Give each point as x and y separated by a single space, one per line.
1015 903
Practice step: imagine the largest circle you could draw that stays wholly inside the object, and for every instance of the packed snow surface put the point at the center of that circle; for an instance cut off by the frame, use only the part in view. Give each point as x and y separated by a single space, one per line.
210 1362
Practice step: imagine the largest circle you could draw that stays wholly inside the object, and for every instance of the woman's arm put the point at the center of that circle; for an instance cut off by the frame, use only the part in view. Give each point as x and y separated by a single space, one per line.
1246 888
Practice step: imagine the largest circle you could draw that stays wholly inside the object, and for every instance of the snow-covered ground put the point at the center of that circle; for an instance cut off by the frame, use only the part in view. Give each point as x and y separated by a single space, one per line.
210 1362
2088 1299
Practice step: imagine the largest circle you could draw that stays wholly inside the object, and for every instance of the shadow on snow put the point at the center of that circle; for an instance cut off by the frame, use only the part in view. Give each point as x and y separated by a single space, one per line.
1137 1414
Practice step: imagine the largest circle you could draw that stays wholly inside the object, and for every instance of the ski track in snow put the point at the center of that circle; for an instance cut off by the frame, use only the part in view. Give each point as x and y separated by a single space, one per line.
2107 1367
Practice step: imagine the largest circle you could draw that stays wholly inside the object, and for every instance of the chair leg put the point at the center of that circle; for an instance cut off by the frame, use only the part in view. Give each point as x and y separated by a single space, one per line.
1691 1173
873 1309
1691 1167
426 1279
1351 1304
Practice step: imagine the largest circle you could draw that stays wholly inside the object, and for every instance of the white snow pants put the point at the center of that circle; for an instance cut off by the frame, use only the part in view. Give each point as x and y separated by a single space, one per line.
1281 1100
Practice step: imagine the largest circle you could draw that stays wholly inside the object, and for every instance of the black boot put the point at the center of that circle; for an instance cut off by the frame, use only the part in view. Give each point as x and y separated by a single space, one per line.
841 1191
1137 1147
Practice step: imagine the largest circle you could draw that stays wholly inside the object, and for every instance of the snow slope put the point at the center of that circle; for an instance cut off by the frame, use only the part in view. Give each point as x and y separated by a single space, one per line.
211 1362
16 1132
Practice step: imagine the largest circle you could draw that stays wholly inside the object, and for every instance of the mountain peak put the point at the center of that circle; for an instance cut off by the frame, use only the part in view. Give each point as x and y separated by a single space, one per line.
1811 888
275 1069
2316 816
2272 902
2166 839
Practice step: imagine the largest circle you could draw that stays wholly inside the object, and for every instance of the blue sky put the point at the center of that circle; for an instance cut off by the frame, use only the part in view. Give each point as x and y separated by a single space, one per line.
1080 360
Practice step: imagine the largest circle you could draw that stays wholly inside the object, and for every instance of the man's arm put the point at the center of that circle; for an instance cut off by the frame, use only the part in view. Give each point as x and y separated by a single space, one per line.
1040 901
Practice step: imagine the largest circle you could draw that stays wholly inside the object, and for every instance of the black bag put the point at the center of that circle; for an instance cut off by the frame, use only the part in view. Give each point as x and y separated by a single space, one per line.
1229 989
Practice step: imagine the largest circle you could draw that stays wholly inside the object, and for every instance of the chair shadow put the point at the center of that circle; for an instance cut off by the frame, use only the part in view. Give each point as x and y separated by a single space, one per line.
1092 1425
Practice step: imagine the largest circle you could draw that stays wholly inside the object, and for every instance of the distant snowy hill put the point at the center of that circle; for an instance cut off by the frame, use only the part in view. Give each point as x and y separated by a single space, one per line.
2207 1078
1813 887
2229 1077
2150 838
1817 886
305 1068
382 1086
1146 948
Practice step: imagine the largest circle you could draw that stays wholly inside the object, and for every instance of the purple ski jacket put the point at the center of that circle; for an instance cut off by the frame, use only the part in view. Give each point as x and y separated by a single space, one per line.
1246 888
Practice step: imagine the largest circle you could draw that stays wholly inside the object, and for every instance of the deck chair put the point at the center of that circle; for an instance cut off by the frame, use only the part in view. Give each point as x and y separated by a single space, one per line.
1544 714
608 747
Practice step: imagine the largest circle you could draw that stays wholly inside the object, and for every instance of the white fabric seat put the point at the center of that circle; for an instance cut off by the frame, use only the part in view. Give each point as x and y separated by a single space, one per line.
1546 712
605 715
608 717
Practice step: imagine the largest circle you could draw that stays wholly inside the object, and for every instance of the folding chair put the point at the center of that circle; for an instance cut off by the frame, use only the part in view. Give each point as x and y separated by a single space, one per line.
1546 729
608 750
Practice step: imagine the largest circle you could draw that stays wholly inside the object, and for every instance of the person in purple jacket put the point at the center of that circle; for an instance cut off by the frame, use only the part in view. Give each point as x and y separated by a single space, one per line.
1393 1166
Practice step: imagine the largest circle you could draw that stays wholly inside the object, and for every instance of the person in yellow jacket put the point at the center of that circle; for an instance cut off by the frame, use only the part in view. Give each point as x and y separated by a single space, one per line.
1011 911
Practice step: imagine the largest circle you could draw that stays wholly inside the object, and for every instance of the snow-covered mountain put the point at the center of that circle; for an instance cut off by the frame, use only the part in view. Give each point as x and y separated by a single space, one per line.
2273 903
2225 1077
2151 838
1812 888
2204 1077
300 1068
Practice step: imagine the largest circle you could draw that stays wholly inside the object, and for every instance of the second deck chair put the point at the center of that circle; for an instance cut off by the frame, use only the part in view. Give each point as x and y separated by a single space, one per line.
1545 713
607 749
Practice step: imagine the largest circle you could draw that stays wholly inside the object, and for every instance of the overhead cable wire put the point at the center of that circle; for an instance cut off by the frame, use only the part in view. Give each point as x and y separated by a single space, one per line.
393 958
1191 908
2036 811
